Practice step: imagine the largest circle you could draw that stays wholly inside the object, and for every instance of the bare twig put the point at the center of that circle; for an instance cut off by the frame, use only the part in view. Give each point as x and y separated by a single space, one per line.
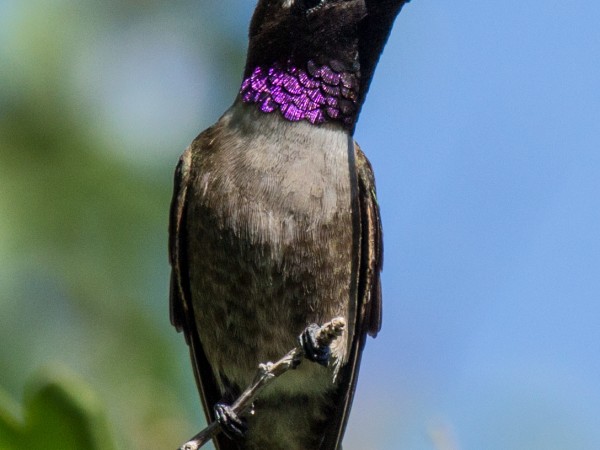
266 373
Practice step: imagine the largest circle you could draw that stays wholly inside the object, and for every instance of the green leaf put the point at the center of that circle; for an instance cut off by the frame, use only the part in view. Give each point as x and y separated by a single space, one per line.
60 412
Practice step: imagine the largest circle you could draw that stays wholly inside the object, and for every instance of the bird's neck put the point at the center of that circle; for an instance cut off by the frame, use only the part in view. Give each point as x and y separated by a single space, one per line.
311 92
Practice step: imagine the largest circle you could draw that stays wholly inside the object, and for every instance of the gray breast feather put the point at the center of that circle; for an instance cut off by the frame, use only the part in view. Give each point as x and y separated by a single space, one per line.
271 236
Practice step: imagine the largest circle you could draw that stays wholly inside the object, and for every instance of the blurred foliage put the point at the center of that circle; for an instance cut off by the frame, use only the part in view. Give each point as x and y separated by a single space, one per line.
84 225
60 413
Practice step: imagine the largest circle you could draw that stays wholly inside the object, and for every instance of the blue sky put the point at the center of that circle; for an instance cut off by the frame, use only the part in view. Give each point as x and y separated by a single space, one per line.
482 126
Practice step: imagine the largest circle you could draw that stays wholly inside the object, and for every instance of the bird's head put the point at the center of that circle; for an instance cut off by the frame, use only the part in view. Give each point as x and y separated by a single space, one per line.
313 59
303 30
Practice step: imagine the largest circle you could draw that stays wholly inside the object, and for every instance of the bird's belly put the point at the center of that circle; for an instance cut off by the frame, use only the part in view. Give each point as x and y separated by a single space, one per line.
270 253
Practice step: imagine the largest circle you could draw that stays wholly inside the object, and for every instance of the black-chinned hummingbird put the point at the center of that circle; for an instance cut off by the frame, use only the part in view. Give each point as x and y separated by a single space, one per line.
275 225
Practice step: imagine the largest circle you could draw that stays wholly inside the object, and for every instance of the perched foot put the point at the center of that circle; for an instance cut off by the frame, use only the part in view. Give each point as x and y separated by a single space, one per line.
231 424
312 349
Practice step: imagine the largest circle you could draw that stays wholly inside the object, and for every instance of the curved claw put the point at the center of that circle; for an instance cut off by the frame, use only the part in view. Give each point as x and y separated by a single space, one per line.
232 425
312 350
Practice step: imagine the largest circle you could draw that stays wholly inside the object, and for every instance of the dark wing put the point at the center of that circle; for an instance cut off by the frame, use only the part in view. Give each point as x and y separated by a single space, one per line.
368 320
371 248
179 292
181 307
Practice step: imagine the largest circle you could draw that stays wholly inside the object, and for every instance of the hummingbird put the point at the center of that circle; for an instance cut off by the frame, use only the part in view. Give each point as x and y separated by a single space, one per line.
274 226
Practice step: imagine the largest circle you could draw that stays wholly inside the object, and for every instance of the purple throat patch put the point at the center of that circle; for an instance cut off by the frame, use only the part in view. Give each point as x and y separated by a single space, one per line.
318 94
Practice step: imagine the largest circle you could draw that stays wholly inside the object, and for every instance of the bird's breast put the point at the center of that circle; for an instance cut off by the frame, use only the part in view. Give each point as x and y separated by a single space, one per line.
281 181
272 237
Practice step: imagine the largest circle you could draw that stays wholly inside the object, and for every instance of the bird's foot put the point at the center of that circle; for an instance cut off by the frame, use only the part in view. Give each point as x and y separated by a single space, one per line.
232 425
314 351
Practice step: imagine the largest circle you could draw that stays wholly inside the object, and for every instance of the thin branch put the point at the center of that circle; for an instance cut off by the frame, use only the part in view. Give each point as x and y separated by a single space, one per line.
266 374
